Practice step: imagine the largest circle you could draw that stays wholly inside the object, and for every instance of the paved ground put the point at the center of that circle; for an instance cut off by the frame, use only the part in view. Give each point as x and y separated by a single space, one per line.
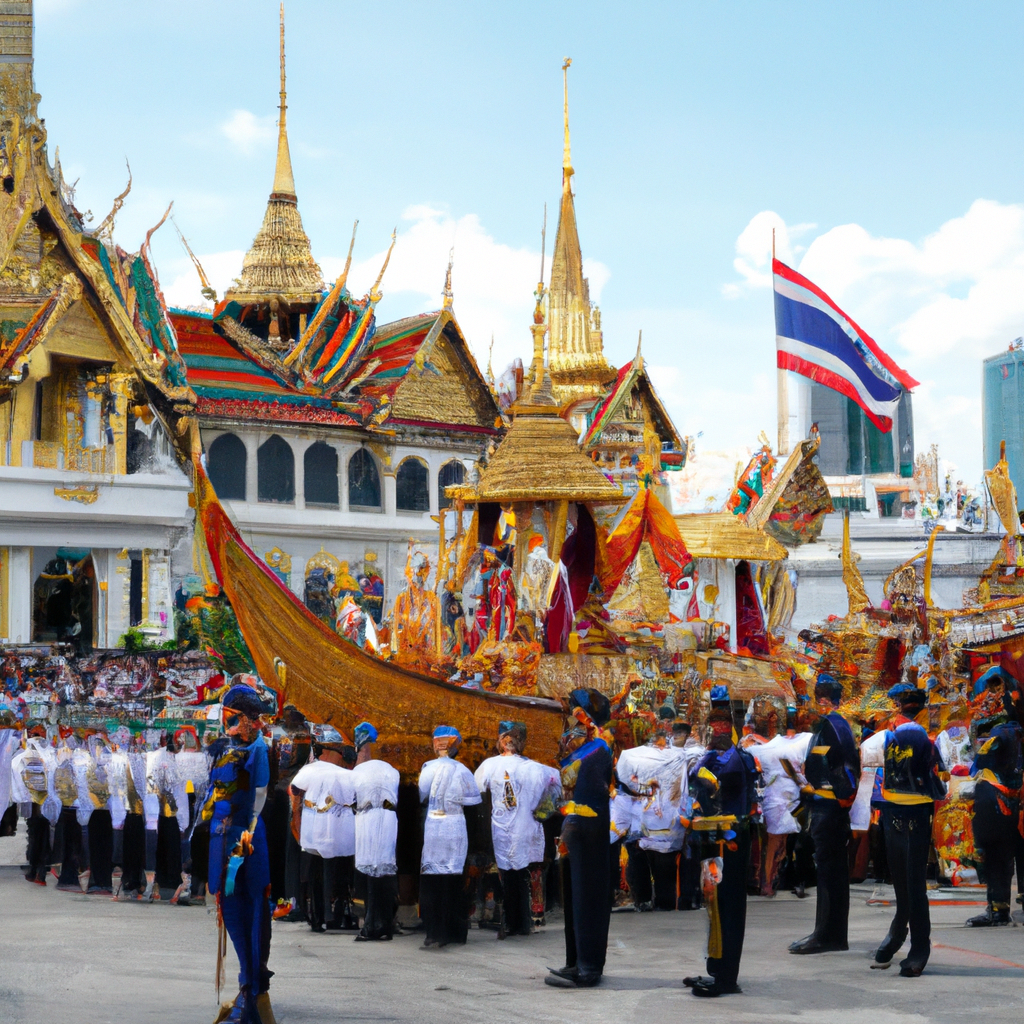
89 960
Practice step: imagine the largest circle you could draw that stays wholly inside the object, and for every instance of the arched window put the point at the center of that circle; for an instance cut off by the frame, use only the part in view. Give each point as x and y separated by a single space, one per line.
275 470
452 473
363 481
413 492
321 475
225 462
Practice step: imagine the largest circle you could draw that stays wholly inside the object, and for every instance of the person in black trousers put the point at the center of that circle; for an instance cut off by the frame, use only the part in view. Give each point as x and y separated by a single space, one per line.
584 846
723 786
38 850
997 769
910 787
832 769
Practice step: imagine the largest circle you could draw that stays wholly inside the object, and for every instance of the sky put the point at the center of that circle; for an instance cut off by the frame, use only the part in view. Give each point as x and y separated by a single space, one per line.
882 141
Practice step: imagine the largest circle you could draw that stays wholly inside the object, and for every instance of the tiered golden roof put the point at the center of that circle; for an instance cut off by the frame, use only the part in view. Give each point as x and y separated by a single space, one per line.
540 459
280 264
578 366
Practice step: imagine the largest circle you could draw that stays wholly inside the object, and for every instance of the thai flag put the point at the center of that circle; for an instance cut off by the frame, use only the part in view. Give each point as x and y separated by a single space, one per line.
814 337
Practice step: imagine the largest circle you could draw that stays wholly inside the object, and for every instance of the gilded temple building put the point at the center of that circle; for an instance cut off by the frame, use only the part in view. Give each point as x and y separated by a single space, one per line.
93 504
330 438
618 413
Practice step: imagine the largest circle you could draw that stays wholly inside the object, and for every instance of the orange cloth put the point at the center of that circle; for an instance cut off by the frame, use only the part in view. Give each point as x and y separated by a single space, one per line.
645 518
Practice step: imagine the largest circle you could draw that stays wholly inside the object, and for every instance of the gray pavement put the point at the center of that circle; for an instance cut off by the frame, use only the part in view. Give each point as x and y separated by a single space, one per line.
89 960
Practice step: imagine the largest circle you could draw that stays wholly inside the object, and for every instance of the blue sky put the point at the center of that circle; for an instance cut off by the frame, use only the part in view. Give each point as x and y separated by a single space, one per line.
882 140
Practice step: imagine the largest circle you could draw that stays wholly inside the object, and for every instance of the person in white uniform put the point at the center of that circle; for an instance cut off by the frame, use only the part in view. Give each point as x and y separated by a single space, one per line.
323 797
376 786
781 760
655 775
446 787
522 793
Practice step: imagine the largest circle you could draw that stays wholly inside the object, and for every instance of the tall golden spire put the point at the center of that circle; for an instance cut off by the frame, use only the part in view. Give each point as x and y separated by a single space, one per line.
279 264
575 352
284 182
567 171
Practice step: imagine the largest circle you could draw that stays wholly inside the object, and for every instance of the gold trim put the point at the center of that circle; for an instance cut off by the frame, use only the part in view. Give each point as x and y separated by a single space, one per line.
85 495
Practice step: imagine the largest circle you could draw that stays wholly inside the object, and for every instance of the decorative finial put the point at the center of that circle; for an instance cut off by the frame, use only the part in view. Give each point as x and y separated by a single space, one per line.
284 182
567 171
375 293
639 359
538 310
208 291
490 356
449 298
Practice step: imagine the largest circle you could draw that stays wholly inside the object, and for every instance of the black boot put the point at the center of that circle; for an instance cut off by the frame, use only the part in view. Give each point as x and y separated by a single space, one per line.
889 948
994 915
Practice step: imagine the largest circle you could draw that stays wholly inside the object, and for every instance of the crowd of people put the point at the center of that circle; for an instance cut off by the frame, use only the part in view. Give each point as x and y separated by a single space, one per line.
298 821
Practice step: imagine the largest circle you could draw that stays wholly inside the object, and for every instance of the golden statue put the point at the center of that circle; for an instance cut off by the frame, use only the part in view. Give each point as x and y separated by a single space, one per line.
415 618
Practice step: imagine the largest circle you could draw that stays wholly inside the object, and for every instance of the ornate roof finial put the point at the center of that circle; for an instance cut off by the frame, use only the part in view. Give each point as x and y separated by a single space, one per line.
284 182
449 298
567 171
638 358
279 265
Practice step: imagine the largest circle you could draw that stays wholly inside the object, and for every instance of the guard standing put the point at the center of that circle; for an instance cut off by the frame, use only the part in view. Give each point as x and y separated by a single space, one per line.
722 798
239 863
910 787
832 770
997 771
587 776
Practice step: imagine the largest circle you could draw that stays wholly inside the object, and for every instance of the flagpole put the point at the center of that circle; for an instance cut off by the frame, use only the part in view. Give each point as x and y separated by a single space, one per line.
781 393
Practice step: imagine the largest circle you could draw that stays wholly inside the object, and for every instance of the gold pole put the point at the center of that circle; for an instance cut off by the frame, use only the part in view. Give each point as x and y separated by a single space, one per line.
782 400
558 529
929 552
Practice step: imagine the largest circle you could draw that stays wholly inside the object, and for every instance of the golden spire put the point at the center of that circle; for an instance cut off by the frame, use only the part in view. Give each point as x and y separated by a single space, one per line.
279 264
567 171
575 352
284 182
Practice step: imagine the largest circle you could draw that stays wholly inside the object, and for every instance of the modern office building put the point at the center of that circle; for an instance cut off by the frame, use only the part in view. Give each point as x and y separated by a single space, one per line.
1002 390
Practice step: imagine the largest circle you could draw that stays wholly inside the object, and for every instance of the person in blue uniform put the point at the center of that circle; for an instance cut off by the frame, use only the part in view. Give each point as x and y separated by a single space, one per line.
723 785
239 864
832 770
910 787
998 775
586 779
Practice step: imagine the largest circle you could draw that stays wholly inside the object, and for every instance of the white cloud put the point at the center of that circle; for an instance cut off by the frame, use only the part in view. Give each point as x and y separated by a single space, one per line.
754 249
183 288
248 132
938 306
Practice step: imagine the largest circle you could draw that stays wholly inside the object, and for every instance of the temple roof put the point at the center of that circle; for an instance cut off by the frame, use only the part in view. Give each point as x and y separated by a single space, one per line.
540 459
633 374
279 263
80 265
231 384
723 535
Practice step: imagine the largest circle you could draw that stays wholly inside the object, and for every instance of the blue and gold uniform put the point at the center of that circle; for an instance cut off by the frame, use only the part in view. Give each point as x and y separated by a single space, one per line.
723 793
910 787
239 863
832 769
997 771
586 779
